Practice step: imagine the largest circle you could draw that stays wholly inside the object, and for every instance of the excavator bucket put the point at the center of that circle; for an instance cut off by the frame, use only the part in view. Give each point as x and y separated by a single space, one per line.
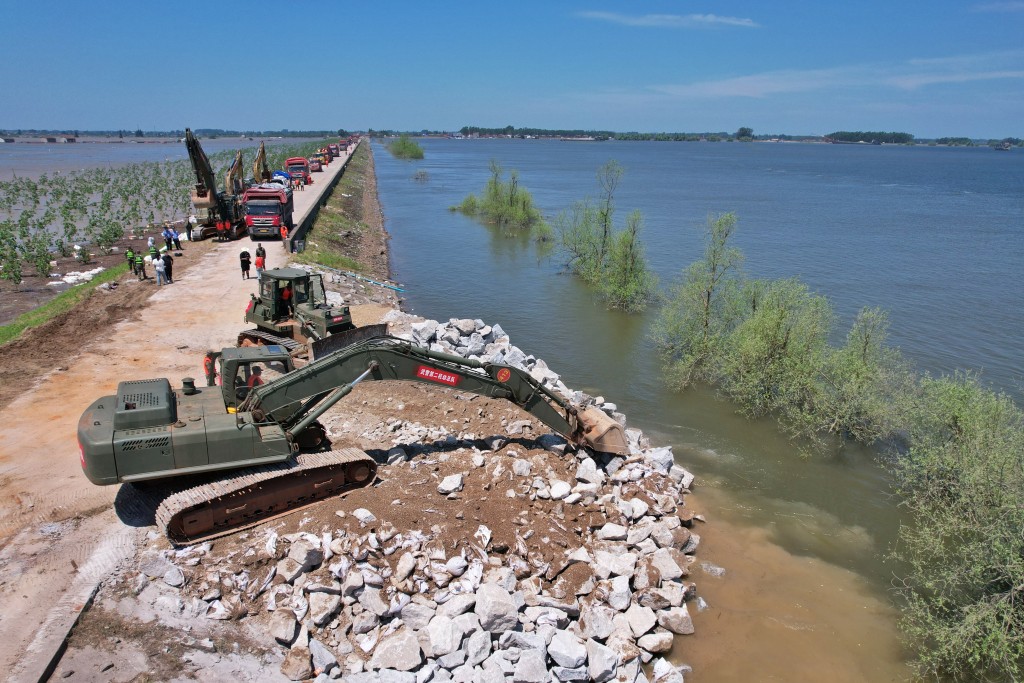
601 433
341 340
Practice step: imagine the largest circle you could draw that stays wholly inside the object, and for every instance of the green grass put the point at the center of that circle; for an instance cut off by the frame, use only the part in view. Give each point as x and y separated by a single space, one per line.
323 245
319 257
62 303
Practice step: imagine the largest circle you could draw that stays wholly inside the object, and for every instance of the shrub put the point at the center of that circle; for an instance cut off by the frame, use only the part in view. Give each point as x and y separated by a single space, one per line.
963 483
406 148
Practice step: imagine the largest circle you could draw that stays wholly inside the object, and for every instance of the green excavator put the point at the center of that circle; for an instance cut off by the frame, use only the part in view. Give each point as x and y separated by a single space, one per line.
257 438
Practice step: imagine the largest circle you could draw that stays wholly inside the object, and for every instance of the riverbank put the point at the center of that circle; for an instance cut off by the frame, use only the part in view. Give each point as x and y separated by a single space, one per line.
165 336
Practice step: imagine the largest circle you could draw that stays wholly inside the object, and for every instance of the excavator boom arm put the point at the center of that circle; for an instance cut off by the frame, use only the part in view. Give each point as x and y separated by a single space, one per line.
260 169
205 182
233 180
291 398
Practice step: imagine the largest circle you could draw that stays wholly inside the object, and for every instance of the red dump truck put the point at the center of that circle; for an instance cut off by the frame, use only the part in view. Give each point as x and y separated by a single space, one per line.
268 206
298 169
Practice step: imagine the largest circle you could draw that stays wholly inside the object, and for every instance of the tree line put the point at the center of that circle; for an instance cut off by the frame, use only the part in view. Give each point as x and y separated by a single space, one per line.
871 137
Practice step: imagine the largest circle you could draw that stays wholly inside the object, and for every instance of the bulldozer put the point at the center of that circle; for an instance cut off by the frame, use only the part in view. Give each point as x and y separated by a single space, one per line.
303 322
257 440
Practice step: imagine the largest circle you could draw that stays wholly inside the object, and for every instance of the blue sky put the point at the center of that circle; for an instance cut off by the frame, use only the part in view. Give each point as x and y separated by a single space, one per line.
933 69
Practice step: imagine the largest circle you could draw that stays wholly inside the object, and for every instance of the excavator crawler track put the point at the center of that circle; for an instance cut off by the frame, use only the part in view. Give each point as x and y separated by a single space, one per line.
257 337
257 494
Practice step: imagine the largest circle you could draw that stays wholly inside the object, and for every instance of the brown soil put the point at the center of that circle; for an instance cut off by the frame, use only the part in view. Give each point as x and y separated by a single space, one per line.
52 345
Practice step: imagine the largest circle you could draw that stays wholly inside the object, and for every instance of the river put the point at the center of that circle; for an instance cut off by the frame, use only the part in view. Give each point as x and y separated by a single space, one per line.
932 235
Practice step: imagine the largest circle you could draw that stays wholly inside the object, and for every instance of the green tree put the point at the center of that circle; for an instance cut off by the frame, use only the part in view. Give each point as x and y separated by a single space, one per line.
701 308
608 177
962 483
10 257
745 133
773 357
628 283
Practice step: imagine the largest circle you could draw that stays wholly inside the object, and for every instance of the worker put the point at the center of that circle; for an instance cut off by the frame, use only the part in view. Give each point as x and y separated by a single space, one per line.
286 299
176 238
245 260
161 272
190 225
284 235
154 253
210 368
255 379
168 236
261 262
260 251
168 266
129 255
222 229
140 266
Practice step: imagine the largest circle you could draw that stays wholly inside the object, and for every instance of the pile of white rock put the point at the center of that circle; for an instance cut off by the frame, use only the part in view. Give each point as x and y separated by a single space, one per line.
368 601
476 340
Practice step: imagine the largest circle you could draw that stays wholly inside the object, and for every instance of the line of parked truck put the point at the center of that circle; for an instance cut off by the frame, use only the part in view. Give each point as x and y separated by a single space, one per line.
259 207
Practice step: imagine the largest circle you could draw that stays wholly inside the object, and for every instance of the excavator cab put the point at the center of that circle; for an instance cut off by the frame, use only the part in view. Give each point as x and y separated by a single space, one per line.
242 369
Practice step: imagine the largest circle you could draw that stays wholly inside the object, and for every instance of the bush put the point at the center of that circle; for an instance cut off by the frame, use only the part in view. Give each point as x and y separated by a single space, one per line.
504 204
702 309
406 148
963 483
613 262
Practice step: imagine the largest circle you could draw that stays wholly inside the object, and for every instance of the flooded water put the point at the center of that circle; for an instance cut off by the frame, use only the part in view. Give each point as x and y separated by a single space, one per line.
32 159
932 235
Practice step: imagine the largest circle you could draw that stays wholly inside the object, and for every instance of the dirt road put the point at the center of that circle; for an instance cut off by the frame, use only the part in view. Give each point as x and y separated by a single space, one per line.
59 534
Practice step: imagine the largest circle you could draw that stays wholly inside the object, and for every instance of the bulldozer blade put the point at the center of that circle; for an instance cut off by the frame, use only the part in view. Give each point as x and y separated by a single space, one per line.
601 433
341 340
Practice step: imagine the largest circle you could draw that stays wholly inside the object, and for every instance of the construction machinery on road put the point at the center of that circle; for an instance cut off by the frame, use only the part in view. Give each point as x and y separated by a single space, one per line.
215 208
303 321
260 169
257 437
298 169
267 207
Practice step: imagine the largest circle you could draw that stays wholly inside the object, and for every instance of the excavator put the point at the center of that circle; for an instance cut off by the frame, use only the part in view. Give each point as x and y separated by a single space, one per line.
255 443
213 206
260 169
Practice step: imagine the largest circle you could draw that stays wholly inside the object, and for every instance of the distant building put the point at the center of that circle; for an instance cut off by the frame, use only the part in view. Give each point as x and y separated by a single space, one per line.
68 138
49 139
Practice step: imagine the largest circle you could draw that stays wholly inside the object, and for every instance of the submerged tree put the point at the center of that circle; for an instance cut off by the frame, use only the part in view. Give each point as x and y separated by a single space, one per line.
701 309
613 262
505 204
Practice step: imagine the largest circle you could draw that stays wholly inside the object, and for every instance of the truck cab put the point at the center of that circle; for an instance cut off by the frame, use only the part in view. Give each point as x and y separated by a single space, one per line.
268 206
298 169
